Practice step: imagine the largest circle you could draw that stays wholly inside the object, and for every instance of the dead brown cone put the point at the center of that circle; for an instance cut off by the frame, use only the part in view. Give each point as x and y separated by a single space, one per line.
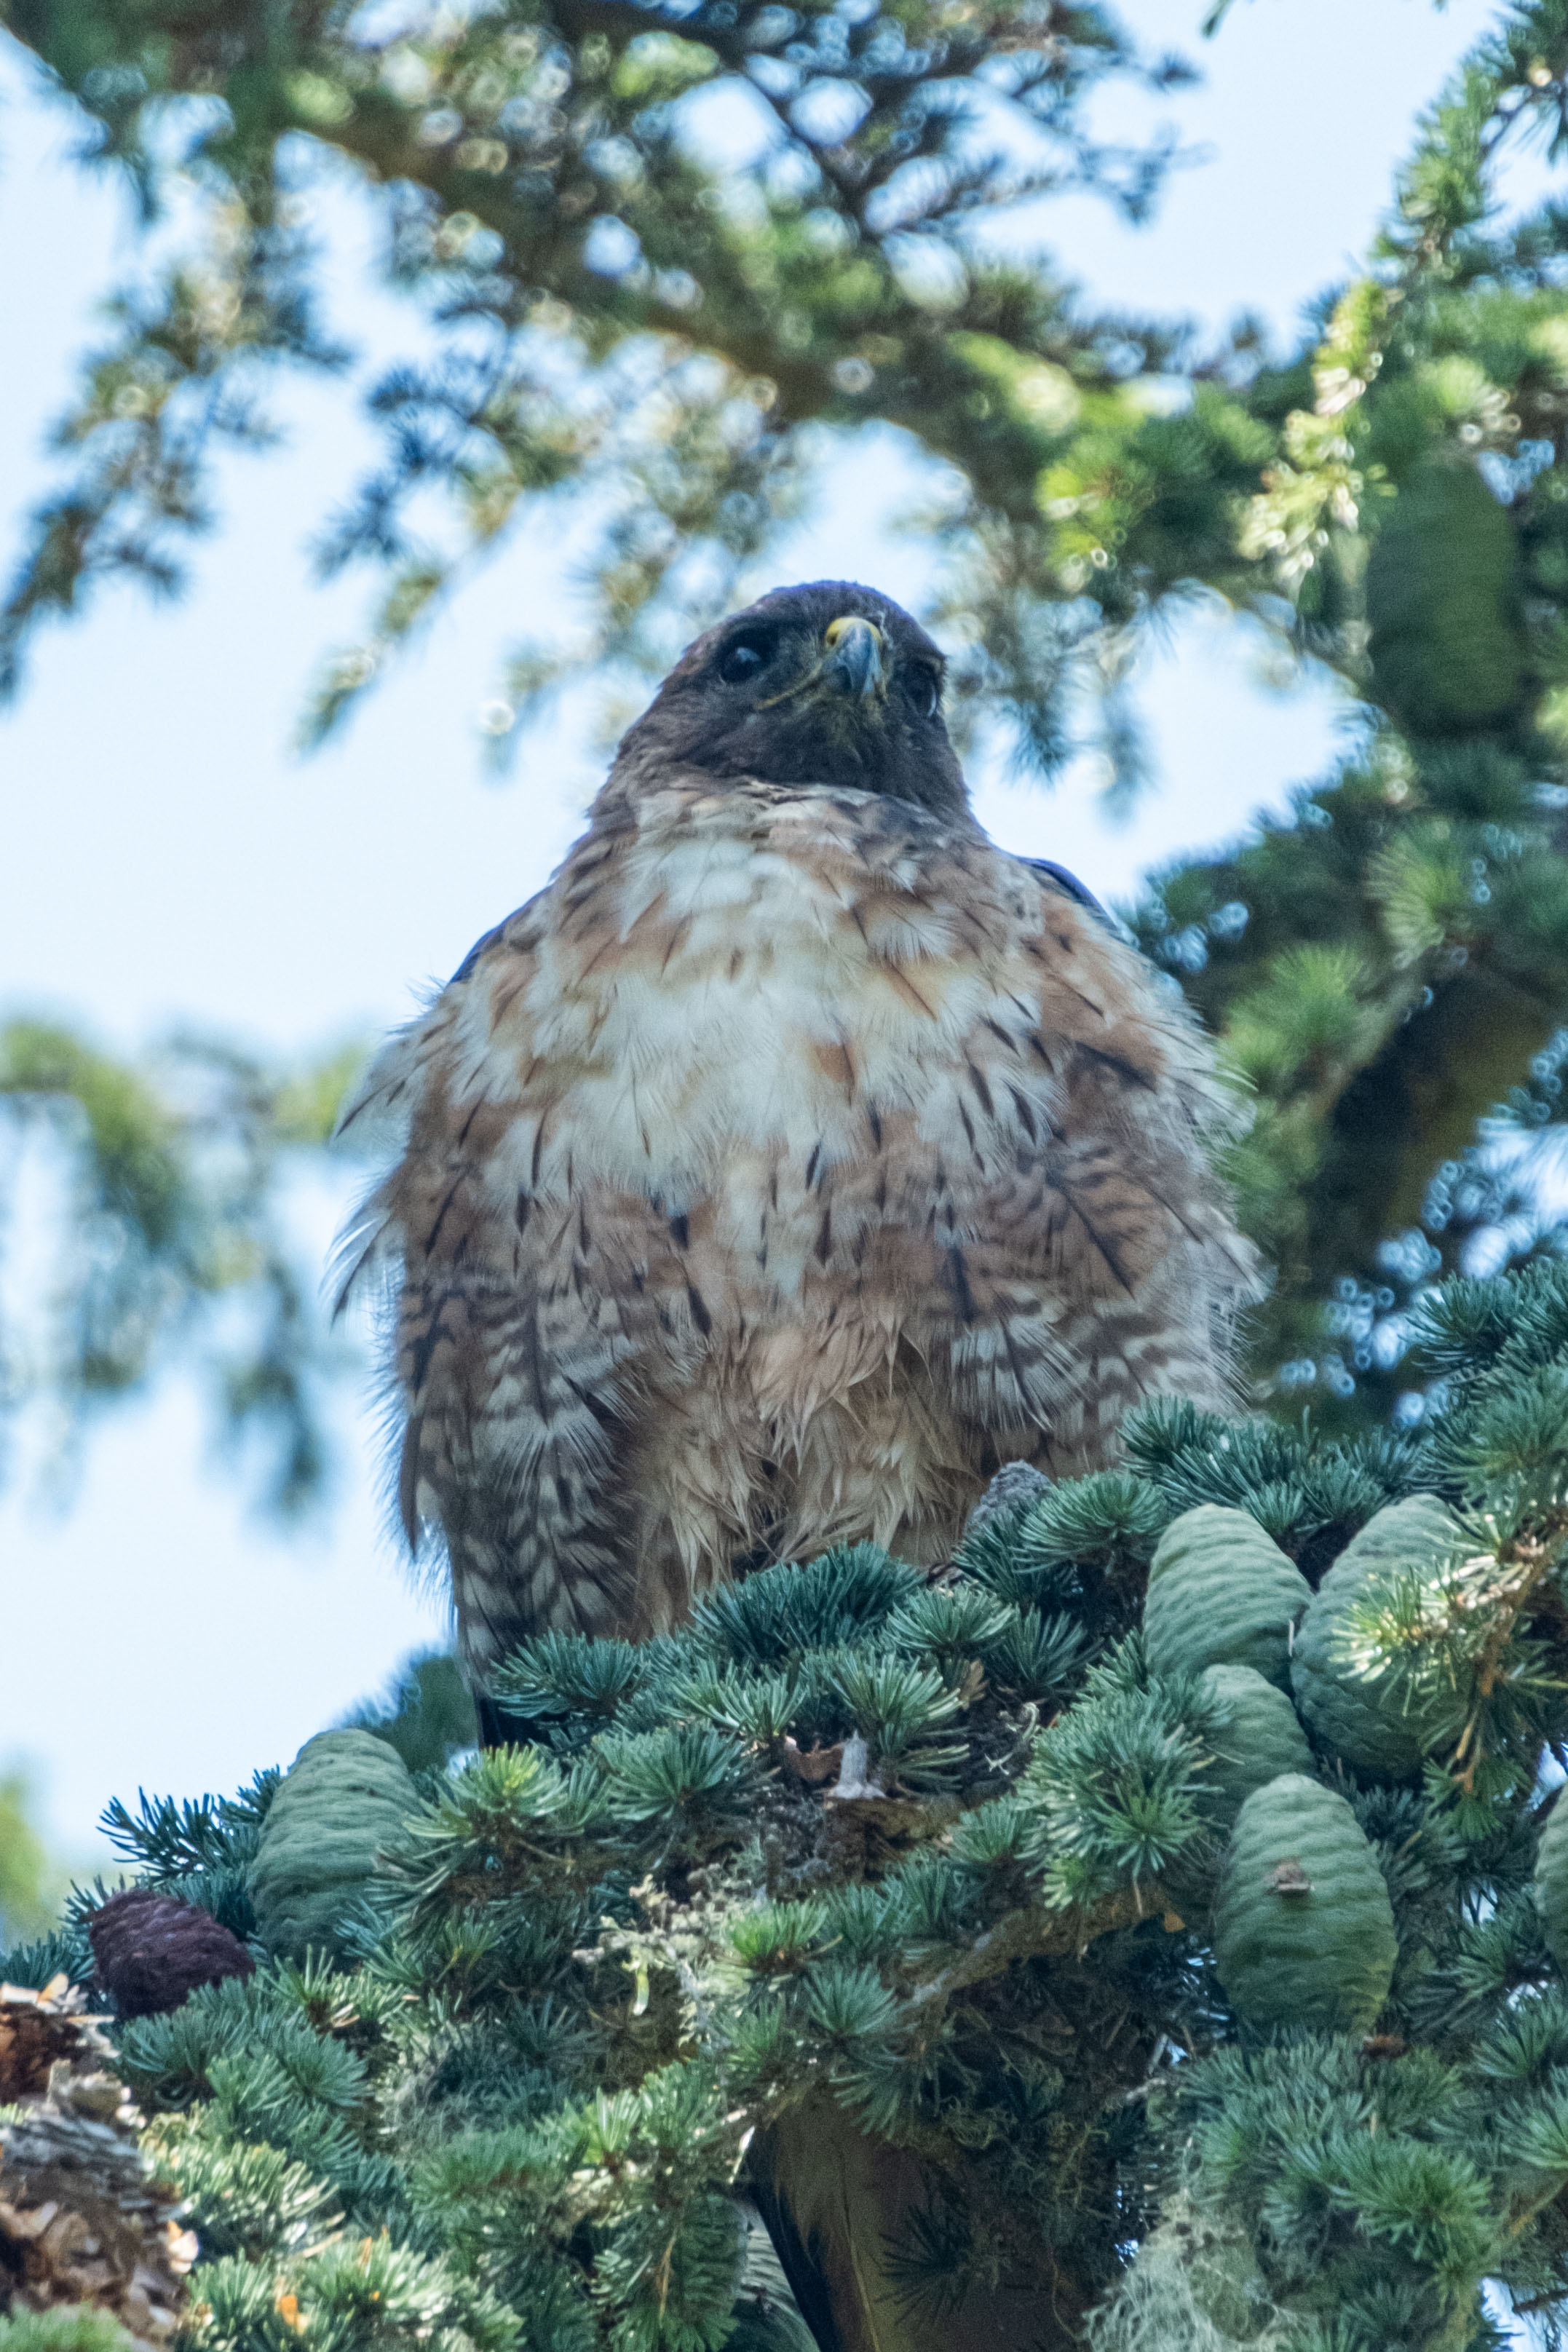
152 1950
39 2028
83 2219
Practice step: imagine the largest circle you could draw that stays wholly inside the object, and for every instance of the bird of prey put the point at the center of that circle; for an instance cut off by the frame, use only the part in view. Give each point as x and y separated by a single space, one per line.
793 1160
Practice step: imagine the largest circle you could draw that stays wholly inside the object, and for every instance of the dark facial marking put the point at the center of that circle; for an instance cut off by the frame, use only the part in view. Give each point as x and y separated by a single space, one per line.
829 685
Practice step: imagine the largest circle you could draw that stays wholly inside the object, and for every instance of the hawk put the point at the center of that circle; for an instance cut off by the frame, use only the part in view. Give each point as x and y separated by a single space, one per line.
793 1160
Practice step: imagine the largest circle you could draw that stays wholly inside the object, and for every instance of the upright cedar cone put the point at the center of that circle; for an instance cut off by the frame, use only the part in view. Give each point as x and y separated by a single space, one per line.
152 1950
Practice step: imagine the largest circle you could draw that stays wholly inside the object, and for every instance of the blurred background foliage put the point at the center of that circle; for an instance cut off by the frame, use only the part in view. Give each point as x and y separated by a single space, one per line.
32 1883
167 1212
636 325
427 1712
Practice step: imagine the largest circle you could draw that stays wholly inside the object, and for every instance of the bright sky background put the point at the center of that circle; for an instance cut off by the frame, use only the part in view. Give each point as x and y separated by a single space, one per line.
166 857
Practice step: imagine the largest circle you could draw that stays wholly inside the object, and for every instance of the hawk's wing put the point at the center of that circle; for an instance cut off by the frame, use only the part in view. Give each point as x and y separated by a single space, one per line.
1078 890
1093 1258
379 1118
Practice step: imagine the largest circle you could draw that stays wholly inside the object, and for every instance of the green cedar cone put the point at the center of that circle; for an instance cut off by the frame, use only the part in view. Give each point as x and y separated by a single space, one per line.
1221 1593
1253 1736
345 1798
1359 1711
1303 1926
1443 603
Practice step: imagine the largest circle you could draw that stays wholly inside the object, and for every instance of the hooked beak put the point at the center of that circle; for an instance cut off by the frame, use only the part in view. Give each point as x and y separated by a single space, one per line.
854 662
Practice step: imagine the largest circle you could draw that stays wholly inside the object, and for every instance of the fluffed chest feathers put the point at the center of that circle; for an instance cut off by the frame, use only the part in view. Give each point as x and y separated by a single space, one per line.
719 999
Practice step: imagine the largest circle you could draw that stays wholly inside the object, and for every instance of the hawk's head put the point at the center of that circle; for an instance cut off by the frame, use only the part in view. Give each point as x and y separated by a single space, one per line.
828 684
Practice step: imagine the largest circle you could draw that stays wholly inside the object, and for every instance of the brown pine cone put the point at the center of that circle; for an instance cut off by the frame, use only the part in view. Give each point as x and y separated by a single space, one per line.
152 1950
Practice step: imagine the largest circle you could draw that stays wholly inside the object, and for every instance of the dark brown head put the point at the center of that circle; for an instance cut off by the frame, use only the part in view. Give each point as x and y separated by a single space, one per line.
828 684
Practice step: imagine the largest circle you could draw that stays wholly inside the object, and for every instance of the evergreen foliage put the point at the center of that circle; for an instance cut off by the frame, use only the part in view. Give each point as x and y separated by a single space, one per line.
667 343
76 2328
168 1235
938 1889
1038 1931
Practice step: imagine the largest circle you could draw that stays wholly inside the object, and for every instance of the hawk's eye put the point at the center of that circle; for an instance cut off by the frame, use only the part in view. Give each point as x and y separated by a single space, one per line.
744 658
922 684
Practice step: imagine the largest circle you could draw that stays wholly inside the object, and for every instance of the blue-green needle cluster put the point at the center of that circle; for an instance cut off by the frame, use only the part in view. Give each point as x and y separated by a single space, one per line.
1043 1975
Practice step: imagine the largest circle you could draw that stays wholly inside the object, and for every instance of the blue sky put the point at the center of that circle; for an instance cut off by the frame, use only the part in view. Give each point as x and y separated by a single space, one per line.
169 859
